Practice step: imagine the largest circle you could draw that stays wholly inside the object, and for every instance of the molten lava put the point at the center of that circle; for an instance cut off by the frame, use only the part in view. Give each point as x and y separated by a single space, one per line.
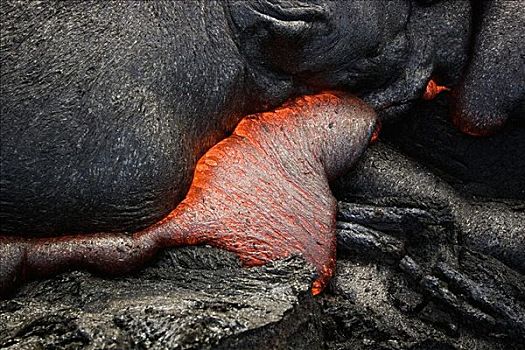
261 193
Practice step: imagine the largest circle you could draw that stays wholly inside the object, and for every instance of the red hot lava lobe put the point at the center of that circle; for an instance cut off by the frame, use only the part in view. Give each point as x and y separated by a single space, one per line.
261 193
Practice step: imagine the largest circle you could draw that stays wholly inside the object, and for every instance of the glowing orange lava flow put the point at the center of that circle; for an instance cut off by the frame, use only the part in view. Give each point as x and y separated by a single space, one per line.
433 89
261 193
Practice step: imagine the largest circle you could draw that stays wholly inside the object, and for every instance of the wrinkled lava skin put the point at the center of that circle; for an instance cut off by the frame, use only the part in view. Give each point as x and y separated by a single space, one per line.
262 193
106 107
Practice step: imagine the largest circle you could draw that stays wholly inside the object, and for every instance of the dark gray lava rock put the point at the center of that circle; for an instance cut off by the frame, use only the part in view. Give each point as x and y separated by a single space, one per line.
427 257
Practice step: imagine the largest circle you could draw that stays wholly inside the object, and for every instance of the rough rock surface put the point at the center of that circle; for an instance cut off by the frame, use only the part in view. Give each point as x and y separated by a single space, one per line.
191 298
430 256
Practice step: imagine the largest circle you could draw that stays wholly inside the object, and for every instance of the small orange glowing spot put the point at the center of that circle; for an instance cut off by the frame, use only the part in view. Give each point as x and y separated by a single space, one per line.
433 89
375 134
317 287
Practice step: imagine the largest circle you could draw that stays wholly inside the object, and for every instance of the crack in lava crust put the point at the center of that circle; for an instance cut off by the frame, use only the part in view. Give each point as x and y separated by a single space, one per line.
262 193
